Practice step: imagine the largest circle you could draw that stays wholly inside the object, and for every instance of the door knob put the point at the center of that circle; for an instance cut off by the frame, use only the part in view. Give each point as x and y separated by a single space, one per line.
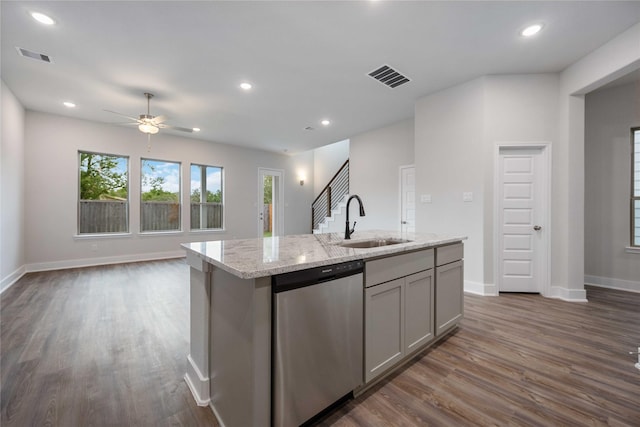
404 222
537 227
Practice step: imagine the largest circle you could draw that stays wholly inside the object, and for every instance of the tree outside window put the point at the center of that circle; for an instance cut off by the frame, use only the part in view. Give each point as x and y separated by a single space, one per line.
206 197
160 195
103 202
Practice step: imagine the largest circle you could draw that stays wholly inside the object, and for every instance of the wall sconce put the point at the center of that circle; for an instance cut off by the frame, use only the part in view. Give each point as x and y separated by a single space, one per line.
301 181
301 177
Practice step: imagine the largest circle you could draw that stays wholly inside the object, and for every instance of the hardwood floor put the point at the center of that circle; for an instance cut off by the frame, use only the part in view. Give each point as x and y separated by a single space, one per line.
99 346
106 346
520 360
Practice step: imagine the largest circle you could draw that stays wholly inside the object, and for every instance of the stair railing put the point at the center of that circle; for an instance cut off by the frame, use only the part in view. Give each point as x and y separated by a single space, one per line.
330 196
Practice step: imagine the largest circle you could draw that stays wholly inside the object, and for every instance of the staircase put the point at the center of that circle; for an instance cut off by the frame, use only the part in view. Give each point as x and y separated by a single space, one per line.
327 209
334 223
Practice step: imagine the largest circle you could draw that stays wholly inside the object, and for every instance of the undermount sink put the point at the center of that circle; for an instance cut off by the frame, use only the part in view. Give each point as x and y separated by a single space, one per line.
372 243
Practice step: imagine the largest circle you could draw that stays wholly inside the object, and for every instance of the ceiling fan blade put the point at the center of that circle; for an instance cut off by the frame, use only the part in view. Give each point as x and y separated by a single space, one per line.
123 115
159 119
163 126
125 124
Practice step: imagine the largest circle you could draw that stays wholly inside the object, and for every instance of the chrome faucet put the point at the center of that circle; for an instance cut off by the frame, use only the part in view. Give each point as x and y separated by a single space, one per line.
348 232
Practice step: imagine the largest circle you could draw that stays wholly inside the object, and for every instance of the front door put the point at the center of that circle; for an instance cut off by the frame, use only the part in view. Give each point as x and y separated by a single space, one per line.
270 202
522 193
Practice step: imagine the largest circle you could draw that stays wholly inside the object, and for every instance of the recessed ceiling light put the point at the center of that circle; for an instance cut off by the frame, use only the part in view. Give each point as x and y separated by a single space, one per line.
246 86
42 18
196 129
325 122
69 104
531 30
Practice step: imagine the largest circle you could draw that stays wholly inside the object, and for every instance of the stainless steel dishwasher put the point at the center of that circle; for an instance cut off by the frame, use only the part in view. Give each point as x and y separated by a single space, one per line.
317 340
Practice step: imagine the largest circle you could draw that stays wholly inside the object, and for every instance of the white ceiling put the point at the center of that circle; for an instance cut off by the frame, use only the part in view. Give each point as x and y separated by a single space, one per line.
306 60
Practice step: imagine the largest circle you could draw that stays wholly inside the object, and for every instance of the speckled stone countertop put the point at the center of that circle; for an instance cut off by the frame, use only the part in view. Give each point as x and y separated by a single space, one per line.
252 258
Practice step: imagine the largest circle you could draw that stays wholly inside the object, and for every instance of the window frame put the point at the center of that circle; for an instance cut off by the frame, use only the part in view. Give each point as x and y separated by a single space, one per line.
79 200
179 199
633 198
222 197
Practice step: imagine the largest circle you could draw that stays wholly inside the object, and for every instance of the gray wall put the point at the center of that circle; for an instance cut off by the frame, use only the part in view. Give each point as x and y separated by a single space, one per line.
327 161
52 144
449 161
12 248
374 174
609 116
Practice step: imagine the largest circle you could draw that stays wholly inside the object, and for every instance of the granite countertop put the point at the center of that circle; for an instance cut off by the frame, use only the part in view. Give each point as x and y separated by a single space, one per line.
252 258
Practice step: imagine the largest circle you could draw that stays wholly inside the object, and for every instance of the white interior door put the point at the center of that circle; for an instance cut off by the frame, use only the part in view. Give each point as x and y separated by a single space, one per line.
407 199
270 202
522 196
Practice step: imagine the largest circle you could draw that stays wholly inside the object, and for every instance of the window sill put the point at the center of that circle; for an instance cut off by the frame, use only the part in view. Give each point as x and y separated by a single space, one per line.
632 250
161 233
208 230
102 236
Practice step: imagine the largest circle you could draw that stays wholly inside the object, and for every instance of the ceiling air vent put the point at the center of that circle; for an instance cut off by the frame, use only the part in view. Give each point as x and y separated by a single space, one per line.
33 55
389 76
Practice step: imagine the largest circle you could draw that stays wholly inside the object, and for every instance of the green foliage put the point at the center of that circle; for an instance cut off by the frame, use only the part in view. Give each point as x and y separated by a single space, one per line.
268 186
159 195
211 197
156 193
99 177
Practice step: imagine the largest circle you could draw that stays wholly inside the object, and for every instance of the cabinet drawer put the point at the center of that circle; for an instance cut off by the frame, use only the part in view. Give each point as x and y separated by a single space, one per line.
449 253
395 266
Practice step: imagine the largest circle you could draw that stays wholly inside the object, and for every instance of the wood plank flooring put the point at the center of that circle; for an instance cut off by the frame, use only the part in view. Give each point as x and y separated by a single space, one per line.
106 346
518 360
99 346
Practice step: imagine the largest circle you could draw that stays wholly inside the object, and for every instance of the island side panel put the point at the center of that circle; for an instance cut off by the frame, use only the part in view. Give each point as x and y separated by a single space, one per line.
197 375
240 362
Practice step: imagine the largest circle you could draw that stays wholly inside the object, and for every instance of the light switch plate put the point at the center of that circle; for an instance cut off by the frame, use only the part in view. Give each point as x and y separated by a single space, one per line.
425 198
467 196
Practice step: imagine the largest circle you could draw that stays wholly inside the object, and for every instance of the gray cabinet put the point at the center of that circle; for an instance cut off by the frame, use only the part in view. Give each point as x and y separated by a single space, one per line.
384 327
449 303
418 306
399 299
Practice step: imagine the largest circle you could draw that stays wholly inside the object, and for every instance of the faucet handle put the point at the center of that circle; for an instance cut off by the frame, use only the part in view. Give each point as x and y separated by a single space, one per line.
354 226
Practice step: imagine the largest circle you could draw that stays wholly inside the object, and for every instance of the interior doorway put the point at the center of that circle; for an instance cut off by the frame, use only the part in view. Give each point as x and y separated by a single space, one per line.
522 218
270 202
407 199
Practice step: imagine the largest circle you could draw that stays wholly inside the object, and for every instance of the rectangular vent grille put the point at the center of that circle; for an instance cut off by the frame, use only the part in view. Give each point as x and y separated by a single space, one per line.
389 76
33 55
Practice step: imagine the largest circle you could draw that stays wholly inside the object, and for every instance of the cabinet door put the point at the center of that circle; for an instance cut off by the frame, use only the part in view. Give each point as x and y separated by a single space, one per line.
418 297
449 296
384 327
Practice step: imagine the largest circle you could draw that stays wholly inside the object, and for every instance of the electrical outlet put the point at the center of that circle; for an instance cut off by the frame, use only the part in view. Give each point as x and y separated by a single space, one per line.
467 196
94 247
425 198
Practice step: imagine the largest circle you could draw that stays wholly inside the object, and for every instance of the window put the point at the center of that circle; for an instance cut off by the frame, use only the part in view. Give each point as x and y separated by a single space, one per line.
635 187
206 197
103 202
159 195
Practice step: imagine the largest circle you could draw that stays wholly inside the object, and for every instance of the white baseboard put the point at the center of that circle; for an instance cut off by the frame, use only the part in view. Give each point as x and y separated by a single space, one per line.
611 283
477 288
566 294
218 417
198 384
12 278
90 262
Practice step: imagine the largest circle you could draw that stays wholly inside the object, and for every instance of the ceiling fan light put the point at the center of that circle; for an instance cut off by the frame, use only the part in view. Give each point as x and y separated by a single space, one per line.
531 30
42 18
147 128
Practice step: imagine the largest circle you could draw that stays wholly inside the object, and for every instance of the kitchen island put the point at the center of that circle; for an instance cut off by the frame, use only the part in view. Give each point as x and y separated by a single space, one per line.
230 356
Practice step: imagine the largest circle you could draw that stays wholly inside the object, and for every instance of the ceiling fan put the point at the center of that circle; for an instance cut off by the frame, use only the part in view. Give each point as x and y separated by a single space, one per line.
148 123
